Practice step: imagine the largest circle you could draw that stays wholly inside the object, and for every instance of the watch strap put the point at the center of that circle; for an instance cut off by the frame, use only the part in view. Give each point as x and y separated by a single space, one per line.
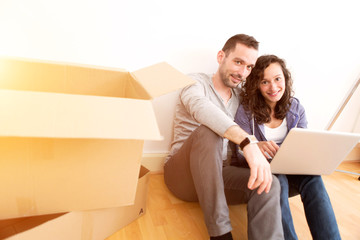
249 139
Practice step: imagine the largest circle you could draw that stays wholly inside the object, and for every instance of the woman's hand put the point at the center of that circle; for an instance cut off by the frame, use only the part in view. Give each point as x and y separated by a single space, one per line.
268 148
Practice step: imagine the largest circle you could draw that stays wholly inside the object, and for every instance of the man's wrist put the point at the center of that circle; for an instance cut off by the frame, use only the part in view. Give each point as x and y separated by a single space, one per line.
250 139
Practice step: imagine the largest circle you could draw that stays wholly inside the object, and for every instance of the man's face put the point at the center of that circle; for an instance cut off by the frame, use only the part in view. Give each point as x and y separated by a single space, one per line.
237 65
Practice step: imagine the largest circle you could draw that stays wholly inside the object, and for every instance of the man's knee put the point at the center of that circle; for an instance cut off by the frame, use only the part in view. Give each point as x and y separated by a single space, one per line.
272 196
275 187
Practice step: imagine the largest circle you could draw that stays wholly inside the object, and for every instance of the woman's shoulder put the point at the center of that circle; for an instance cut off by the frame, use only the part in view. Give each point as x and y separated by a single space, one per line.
243 109
242 113
296 105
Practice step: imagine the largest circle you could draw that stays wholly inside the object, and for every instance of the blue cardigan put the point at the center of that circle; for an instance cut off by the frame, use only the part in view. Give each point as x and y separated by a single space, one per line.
295 117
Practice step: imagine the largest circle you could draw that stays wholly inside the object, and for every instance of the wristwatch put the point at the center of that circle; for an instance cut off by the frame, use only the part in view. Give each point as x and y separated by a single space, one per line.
249 139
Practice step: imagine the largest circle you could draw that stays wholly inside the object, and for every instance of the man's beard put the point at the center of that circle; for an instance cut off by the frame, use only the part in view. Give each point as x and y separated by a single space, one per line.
227 82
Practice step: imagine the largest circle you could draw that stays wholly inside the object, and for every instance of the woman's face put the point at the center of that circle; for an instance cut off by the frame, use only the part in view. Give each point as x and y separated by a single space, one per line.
272 87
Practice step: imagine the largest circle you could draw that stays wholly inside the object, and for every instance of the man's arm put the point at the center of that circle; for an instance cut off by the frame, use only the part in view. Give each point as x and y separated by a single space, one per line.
203 110
260 172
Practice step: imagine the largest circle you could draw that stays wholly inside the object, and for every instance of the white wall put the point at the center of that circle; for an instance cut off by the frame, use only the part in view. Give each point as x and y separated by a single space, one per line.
349 118
319 39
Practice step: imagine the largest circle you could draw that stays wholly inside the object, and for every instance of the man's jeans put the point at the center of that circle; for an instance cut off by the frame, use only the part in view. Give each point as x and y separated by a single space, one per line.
318 210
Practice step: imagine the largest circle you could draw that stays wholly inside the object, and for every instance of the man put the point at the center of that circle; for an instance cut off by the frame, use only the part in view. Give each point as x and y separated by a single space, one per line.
196 170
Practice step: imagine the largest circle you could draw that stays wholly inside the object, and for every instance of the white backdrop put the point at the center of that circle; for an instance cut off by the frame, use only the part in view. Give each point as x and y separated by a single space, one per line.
319 39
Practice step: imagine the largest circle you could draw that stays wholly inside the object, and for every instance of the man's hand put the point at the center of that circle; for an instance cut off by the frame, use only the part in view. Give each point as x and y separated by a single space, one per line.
268 148
260 172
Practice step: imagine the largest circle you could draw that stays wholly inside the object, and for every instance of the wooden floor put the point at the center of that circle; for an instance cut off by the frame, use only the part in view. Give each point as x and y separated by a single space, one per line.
170 218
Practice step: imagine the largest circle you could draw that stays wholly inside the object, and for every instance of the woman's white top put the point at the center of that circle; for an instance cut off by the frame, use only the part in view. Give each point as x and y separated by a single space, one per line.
277 134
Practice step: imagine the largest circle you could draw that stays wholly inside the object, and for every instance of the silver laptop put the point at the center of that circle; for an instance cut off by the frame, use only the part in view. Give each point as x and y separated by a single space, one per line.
313 152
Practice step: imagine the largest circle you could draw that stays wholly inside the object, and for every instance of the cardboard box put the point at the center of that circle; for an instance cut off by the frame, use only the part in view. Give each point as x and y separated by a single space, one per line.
88 225
71 136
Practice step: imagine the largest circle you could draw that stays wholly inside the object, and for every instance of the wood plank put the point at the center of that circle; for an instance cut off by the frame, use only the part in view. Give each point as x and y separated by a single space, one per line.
170 218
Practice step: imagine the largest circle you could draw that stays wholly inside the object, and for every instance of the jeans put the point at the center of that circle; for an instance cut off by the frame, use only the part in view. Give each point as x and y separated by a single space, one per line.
196 173
318 210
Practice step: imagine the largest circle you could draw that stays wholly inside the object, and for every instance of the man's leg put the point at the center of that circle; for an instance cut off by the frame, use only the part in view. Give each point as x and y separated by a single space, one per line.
318 209
264 212
195 173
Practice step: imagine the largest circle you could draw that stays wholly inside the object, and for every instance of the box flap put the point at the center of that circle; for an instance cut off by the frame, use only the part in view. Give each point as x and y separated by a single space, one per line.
57 77
47 76
56 115
160 79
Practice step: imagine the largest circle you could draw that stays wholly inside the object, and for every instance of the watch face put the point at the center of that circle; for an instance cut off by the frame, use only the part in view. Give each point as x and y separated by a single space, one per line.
247 140
252 138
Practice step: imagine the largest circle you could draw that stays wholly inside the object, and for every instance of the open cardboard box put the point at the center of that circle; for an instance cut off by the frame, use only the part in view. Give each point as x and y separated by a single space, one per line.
71 136
87 225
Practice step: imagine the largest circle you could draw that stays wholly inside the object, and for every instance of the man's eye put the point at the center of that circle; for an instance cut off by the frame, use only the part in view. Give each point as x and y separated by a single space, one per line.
237 62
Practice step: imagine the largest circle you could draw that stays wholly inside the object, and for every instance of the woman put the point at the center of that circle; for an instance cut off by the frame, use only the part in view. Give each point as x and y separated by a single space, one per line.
269 111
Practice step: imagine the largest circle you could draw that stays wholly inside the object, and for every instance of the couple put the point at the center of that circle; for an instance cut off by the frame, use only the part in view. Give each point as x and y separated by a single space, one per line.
264 112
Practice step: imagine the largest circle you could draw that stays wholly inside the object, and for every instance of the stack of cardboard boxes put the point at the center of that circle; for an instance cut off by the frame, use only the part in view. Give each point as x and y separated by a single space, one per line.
71 140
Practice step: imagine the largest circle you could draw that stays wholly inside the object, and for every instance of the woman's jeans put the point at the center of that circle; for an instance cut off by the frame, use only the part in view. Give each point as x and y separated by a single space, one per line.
318 210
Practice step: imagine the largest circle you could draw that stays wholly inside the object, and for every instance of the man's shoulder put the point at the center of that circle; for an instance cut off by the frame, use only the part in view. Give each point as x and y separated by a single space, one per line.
202 82
200 77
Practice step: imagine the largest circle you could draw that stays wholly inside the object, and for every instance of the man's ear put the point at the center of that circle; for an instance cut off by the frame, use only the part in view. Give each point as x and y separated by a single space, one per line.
220 56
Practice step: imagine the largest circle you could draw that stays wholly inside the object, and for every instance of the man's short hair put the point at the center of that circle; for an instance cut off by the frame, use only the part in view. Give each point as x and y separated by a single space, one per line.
247 40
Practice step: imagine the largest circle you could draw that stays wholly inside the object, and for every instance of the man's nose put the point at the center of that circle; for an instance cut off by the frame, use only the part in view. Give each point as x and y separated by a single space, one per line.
242 71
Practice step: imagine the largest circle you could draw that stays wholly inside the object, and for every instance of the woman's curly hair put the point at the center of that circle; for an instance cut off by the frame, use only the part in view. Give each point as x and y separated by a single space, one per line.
251 97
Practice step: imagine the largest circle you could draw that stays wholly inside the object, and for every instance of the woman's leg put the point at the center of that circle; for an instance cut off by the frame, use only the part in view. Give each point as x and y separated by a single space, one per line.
287 221
318 209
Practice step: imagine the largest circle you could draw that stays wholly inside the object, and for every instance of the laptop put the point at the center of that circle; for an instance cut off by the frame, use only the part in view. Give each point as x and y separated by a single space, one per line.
313 152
